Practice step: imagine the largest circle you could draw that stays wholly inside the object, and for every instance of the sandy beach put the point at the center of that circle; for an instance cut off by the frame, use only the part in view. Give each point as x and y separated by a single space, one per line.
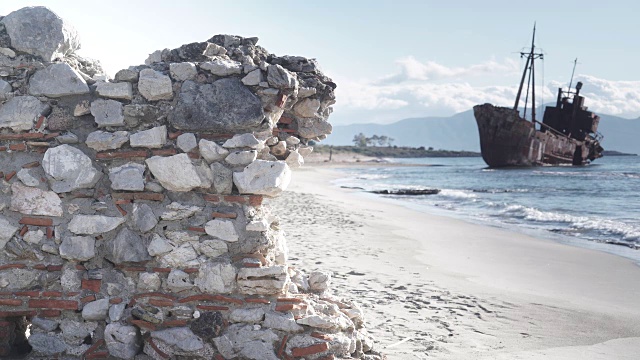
440 288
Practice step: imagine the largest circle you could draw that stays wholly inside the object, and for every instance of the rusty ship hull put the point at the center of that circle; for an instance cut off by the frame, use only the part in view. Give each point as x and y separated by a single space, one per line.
506 139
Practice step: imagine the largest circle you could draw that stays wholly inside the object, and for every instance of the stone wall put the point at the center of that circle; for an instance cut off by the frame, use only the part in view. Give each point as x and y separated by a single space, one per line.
131 215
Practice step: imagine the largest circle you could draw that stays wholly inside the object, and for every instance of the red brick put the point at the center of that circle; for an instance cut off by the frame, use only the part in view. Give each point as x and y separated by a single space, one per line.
49 233
282 345
53 304
148 196
121 210
40 267
87 299
13 266
212 307
328 357
211 198
39 122
291 300
257 300
175 323
23 136
251 265
123 201
235 199
154 294
115 300
255 200
285 120
107 155
52 294
163 152
18 147
94 347
50 313
93 285
133 268
3 148
143 324
24 230
156 349
26 220
73 293
10 302
174 135
284 307
310 350
196 229
222 215
80 267
97 355
31 293
31 165
10 175
321 336
122 196
209 297
218 357
194 154
160 302
51 135
191 270
16 313
54 268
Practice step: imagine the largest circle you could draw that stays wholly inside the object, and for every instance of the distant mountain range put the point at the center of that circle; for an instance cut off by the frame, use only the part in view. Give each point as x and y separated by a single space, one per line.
459 132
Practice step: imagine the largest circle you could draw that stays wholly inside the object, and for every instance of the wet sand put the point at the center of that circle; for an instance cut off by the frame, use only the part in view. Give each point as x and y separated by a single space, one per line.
438 287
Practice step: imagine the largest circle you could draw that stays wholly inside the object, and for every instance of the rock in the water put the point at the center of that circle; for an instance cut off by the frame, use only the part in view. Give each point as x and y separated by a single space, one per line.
57 80
211 151
129 176
78 248
7 229
222 178
226 105
241 158
46 344
187 142
243 140
183 71
263 177
39 31
121 90
175 173
96 310
143 218
154 85
127 247
123 341
107 112
93 224
104 140
216 278
182 338
281 78
20 113
222 67
33 201
69 169
153 138
222 229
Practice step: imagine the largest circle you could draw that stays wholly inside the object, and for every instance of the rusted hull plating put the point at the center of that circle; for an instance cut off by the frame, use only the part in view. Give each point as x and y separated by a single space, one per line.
506 139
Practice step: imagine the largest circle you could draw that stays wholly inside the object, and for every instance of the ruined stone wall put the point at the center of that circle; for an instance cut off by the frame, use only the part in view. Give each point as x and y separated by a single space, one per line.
131 216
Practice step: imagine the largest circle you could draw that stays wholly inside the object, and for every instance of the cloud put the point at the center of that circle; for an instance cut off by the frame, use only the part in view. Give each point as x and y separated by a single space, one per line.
413 70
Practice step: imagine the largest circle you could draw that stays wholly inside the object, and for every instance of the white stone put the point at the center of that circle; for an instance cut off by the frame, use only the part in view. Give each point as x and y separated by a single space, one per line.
281 78
154 57
294 160
96 310
216 278
292 140
258 225
187 142
212 248
123 341
222 229
116 311
250 316
263 281
5 87
20 113
148 282
181 236
175 173
155 86
331 323
57 80
211 151
121 90
241 158
79 248
179 280
222 178
183 71
107 112
214 49
222 67
143 218
25 176
176 211
129 176
153 138
69 169
33 236
181 256
104 140
263 177
279 149
93 224
182 338
305 150
7 52
307 108
283 322
304 92
253 78
242 141
159 246
319 280
33 201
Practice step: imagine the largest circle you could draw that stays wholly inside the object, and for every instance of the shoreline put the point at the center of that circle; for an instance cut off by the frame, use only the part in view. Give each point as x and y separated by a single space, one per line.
443 287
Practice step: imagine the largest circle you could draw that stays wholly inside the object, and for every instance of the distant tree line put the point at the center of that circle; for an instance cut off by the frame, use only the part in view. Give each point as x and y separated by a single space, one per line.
361 140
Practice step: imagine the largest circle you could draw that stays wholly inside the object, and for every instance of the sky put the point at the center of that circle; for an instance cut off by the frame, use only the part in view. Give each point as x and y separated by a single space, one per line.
392 59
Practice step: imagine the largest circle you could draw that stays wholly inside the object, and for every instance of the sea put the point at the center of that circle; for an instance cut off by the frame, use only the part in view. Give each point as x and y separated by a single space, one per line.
595 206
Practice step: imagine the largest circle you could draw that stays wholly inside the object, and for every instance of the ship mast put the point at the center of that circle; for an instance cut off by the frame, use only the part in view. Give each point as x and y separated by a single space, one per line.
529 66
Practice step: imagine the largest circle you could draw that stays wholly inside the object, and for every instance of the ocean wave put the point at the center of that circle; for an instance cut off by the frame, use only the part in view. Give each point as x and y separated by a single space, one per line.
501 191
457 194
